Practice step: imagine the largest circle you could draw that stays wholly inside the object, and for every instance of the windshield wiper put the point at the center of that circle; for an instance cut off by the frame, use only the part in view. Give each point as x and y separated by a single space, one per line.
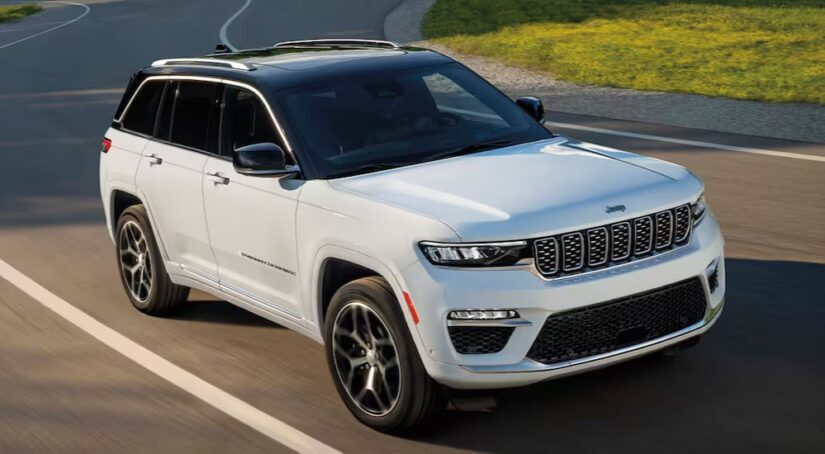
469 149
367 168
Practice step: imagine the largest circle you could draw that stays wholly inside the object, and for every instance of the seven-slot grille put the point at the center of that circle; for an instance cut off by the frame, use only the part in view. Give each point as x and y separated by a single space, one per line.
606 245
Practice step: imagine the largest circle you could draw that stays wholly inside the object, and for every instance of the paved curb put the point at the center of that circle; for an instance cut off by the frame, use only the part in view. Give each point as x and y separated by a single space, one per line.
793 121
403 24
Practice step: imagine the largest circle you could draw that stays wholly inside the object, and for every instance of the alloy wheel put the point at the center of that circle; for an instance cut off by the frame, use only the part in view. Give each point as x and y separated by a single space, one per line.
366 359
135 261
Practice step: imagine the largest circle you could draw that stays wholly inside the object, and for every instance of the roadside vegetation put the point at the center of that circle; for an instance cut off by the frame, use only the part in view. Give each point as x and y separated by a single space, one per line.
766 50
17 12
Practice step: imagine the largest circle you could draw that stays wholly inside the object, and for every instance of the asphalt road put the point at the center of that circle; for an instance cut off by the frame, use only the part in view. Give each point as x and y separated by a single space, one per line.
755 383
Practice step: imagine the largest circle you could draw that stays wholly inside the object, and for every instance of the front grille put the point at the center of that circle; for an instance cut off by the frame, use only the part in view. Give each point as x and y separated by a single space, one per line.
474 340
607 245
619 323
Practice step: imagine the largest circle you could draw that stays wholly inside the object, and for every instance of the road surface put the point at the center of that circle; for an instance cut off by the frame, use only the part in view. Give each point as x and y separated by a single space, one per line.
755 382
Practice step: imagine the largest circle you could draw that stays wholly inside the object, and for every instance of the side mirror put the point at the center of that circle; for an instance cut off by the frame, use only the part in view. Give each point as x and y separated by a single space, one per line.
532 106
261 159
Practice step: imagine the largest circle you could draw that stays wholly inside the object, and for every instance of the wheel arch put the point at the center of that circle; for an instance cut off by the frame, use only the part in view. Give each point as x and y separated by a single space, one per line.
120 199
336 266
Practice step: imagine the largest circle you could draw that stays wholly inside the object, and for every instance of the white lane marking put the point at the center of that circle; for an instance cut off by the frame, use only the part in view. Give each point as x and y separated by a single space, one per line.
212 395
86 10
225 26
693 143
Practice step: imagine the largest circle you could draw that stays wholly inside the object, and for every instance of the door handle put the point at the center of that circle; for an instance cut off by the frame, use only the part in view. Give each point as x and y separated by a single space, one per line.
154 160
217 178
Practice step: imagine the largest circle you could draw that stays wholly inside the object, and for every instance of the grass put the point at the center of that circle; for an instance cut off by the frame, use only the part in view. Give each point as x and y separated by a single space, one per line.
17 12
765 50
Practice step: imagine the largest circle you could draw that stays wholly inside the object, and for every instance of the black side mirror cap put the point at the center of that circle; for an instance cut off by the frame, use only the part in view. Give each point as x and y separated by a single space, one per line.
222 49
532 106
261 159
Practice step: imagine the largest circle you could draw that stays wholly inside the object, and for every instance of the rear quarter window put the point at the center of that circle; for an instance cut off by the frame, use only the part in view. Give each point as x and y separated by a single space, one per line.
143 110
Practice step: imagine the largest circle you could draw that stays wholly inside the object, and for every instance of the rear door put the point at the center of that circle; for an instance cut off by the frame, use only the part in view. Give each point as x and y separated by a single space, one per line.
171 173
251 219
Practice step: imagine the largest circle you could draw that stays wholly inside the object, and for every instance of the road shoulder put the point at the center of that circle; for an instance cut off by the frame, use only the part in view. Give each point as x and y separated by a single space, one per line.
792 121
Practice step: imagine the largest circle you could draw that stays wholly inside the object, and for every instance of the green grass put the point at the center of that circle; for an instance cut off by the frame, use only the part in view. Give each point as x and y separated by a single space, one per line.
17 12
768 50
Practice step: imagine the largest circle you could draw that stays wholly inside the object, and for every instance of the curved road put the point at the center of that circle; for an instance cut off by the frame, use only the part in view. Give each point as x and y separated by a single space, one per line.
755 382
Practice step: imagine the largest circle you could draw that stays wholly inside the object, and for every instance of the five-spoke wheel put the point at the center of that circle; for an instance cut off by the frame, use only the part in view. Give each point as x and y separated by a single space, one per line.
135 261
372 356
366 358
144 277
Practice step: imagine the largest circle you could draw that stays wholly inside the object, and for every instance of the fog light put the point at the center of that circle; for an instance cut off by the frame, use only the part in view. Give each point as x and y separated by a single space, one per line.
482 315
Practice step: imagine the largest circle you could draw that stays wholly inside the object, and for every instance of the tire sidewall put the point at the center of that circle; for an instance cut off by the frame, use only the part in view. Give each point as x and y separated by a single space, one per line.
137 214
386 306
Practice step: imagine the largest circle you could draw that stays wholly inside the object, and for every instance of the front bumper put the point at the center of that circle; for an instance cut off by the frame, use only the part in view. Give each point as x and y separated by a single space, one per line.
436 291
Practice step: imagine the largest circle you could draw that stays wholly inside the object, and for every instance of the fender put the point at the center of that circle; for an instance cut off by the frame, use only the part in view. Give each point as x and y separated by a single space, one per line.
342 253
133 190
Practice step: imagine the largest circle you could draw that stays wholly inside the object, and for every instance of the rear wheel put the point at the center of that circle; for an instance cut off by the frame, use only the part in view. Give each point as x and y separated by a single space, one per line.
373 360
142 272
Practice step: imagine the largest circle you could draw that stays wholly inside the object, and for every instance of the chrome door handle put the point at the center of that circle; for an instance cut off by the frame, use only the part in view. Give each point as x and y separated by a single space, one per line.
154 160
217 178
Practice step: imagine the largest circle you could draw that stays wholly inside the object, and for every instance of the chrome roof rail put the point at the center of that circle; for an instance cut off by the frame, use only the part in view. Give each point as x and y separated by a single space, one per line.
203 62
339 42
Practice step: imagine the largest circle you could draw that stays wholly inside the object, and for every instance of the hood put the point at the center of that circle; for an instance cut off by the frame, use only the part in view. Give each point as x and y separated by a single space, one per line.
530 190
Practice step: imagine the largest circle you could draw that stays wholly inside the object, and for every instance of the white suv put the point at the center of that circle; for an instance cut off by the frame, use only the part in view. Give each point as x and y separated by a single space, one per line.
391 204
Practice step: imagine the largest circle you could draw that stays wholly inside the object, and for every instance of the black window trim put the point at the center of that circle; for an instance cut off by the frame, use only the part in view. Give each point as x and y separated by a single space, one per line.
217 80
118 123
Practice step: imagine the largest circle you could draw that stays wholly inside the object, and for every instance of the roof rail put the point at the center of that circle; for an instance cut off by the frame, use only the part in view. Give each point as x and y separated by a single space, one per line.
339 42
203 62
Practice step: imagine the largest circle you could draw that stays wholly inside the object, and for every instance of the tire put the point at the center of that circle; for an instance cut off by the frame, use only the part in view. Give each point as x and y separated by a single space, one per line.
141 268
419 400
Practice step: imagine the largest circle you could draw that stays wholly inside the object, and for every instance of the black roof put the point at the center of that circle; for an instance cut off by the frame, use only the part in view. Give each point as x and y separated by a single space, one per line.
289 66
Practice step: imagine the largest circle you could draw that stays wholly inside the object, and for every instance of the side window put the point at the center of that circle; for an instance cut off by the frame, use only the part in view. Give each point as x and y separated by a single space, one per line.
245 121
190 114
140 117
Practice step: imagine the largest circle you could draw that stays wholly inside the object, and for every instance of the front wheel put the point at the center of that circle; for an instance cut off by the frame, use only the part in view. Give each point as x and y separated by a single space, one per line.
373 360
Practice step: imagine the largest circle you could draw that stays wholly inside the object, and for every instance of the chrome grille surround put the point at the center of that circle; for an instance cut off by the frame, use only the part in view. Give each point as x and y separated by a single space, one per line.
683 224
664 229
571 253
547 255
620 236
597 246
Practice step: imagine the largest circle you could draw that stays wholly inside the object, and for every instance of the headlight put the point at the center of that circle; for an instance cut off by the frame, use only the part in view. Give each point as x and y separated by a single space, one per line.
475 254
698 209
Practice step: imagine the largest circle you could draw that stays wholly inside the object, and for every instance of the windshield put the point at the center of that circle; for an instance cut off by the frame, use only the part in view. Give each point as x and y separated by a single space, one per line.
347 127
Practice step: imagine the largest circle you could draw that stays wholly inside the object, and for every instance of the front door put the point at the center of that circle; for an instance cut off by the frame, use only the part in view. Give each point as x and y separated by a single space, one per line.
251 219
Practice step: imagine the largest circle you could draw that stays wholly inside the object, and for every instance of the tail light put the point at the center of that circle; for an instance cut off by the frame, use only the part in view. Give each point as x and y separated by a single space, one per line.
104 147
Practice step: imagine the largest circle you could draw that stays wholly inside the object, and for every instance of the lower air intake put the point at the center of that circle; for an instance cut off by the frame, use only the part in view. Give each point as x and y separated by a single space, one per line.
619 323
475 340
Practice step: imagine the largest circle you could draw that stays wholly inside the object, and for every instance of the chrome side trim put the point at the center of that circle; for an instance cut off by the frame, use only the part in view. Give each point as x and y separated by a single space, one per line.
219 81
258 301
201 274
528 365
